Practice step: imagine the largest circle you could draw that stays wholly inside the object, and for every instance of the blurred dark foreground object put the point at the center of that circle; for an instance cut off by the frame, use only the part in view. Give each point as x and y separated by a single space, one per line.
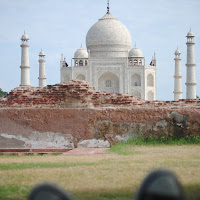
160 184
48 191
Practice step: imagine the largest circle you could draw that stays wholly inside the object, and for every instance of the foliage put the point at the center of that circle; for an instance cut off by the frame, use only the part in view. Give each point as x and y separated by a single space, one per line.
2 93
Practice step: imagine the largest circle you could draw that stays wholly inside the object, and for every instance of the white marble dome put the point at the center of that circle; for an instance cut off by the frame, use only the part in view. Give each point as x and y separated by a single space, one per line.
81 53
110 36
135 52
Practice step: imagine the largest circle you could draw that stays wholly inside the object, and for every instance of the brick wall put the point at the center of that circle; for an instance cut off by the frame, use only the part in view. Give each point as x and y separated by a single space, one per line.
78 94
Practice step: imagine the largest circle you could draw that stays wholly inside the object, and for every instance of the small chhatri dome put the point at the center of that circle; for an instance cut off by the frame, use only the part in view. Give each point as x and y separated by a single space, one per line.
81 53
190 34
24 36
41 53
135 52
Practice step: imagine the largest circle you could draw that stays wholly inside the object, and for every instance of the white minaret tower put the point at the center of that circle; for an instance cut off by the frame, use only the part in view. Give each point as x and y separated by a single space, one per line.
25 72
42 74
177 76
191 76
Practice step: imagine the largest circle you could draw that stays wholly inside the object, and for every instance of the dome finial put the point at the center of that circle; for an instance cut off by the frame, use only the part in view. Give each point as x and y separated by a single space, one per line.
108 7
135 45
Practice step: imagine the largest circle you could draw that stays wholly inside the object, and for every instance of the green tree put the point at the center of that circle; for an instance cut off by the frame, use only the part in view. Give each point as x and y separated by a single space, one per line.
2 93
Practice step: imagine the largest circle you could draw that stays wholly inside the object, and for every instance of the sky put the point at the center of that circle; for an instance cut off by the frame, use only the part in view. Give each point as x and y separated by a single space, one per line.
61 26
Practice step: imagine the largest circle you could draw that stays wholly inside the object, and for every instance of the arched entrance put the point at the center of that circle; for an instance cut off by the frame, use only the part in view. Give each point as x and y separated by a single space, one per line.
66 78
135 80
136 94
108 82
80 77
150 96
150 80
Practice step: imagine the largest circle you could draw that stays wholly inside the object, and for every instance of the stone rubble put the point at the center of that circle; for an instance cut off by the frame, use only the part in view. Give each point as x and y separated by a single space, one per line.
93 143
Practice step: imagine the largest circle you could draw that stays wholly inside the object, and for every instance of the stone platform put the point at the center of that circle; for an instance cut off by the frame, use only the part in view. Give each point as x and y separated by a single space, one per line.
15 151
76 151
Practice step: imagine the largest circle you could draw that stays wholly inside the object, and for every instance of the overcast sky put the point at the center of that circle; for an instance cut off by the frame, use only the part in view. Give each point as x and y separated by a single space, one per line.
61 26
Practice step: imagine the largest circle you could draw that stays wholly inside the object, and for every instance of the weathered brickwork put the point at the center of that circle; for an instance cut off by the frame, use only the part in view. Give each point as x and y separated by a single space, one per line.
79 94
71 94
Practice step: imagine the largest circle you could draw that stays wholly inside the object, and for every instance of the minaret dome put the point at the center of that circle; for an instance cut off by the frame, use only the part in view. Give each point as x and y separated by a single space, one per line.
24 37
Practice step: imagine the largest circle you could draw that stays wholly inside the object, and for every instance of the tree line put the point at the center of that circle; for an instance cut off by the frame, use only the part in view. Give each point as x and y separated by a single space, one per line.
2 93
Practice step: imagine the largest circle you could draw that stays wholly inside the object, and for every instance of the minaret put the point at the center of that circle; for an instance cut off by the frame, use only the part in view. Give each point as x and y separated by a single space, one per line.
177 76
25 72
42 75
154 59
191 76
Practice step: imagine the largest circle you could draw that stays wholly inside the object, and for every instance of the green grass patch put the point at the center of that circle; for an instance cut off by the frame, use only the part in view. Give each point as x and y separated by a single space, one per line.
19 166
126 148
123 149
163 141
55 153
13 192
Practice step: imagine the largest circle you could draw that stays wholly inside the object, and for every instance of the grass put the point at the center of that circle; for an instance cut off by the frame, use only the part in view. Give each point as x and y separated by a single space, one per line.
126 148
164 141
110 176
20 166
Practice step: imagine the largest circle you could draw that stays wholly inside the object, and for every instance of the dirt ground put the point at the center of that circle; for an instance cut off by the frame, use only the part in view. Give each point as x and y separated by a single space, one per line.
87 151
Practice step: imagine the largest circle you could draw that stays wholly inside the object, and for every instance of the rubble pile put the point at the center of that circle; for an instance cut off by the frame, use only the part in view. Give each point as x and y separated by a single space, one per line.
71 94
79 94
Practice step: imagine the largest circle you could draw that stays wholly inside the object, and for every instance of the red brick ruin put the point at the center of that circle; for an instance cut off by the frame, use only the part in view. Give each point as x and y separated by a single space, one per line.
79 94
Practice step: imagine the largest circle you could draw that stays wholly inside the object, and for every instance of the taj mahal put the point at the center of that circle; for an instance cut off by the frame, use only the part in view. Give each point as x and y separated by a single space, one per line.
111 64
